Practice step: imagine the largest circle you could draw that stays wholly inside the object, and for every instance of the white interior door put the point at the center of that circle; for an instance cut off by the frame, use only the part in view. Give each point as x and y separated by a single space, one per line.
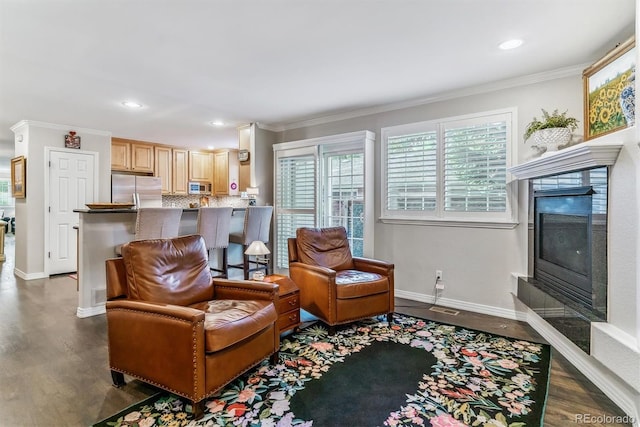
71 186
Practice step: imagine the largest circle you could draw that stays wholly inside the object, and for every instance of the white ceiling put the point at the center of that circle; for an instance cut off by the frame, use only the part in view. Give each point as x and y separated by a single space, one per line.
277 62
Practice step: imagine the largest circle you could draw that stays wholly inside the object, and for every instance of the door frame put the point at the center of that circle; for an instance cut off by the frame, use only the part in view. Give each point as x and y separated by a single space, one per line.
367 140
47 217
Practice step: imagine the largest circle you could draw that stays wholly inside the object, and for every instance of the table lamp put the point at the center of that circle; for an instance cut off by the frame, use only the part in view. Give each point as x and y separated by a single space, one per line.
258 249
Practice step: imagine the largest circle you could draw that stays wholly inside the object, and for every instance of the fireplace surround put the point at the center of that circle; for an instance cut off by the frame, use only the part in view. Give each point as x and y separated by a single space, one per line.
567 238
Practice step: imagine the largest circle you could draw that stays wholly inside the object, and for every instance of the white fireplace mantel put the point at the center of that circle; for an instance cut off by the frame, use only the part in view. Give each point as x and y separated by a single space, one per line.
581 156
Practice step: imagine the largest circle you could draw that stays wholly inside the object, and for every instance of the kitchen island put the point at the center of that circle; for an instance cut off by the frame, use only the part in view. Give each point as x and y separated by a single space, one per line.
100 231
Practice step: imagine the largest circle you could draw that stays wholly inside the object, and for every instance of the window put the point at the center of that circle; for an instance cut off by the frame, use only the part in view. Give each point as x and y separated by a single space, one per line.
325 182
5 193
295 196
449 170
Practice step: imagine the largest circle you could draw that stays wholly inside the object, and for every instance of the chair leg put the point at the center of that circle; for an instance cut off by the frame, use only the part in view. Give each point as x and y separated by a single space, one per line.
332 330
198 409
275 358
245 263
118 379
390 318
225 263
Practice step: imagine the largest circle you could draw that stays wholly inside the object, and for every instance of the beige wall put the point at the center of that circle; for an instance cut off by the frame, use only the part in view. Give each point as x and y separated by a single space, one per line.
478 263
30 212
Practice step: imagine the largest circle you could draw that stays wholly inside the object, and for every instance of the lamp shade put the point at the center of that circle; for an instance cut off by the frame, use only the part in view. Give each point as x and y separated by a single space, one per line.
257 247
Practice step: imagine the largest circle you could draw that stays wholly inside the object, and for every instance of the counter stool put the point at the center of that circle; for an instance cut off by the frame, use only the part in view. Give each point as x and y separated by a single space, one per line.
214 225
257 226
155 223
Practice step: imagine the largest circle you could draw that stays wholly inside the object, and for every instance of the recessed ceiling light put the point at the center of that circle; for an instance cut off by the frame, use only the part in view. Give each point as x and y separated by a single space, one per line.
510 44
210 147
216 123
132 104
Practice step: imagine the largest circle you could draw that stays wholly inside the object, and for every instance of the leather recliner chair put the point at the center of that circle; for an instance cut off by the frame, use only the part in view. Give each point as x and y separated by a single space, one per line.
334 286
173 326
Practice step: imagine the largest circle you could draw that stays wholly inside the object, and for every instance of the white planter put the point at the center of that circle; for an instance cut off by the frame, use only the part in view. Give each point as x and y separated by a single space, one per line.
551 138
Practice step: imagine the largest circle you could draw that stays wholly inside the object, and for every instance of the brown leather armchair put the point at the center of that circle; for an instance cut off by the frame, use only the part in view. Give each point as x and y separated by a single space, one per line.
334 286
171 325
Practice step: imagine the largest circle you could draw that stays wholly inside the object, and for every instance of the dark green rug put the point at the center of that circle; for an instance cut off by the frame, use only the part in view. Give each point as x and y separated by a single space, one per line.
416 372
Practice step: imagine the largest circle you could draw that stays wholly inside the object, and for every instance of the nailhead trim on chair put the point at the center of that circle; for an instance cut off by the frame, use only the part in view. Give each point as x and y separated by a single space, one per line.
204 396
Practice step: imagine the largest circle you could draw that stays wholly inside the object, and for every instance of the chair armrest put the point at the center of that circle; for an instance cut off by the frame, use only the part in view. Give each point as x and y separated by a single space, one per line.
313 276
245 290
313 269
373 266
145 338
187 314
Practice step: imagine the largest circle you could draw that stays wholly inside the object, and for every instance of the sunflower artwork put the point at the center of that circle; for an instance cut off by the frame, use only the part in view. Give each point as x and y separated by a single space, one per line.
603 89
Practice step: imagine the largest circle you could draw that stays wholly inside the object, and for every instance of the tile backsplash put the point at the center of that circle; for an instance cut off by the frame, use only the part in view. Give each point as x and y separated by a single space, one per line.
186 201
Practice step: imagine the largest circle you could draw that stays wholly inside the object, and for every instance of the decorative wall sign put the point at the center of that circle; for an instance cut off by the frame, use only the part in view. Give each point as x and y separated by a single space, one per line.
19 177
609 91
243 155
72 140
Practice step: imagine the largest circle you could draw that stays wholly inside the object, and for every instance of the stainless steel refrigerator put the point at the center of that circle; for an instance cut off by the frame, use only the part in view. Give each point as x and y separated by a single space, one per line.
143 191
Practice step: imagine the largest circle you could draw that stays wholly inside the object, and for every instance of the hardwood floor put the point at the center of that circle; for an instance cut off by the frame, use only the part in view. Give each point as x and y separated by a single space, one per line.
54 369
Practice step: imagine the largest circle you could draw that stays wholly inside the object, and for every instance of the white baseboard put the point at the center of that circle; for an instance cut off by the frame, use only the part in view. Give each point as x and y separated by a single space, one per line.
90 311
614 388
30 276
463 305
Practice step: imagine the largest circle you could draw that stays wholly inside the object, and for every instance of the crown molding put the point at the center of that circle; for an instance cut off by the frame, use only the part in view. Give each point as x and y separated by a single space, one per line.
575 70
65 128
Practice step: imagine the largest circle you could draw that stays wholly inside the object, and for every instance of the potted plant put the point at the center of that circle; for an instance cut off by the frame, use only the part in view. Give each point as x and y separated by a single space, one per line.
552 131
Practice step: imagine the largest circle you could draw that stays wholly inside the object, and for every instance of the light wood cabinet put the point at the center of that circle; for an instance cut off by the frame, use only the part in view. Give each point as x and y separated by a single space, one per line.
120 155
142 157
180 171
131 155
163 167
225 172
201 166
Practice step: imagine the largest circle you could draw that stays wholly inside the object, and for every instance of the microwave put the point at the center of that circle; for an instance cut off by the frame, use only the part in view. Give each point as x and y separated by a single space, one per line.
199 188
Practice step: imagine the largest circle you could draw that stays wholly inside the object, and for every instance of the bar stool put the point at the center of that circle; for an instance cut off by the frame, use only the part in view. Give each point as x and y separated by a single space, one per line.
257 226
155 223
214 225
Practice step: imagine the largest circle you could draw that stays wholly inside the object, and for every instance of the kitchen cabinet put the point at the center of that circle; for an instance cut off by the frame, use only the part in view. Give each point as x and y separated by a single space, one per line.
132 156
142 157
225 172
180 176
120 155
163 167
201 166
171 164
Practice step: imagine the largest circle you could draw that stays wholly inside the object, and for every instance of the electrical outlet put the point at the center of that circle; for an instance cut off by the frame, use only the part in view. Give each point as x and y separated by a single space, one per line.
438 275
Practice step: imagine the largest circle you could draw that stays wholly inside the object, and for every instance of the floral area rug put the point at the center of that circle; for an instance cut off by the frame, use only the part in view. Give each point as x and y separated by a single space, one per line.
412 372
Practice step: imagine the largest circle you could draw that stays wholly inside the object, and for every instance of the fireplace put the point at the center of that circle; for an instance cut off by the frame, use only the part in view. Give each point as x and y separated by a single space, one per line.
563 242
567 280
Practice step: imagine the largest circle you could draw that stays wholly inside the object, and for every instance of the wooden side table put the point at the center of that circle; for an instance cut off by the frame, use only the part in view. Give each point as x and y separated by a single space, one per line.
289 302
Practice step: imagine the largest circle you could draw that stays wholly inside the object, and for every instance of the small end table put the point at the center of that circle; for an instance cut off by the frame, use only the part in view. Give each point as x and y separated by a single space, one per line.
289 301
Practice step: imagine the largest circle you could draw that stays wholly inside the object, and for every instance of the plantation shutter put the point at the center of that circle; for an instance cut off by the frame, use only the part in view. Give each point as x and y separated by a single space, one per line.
295 197
411 172
475 165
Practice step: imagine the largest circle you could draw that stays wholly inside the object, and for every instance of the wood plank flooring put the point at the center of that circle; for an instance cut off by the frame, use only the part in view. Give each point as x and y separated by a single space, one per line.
54 367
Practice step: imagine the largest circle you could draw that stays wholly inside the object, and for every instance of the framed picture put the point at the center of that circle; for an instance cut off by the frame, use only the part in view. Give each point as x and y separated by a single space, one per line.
609 91
19 177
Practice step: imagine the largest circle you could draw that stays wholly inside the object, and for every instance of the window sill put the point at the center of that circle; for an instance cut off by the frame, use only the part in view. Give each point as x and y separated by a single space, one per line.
451 223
